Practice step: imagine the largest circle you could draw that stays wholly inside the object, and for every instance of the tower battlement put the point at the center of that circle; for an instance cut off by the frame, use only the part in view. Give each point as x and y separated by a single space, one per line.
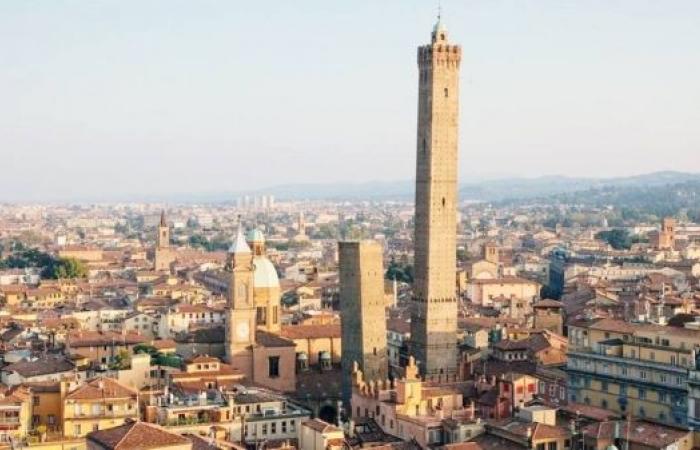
439 54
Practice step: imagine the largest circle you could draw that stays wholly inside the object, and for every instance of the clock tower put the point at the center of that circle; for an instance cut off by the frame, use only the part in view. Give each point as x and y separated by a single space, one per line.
240 320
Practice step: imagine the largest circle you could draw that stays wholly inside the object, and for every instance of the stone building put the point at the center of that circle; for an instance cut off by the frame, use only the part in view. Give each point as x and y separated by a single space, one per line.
409 408
666 238
434 319
362 311
548 316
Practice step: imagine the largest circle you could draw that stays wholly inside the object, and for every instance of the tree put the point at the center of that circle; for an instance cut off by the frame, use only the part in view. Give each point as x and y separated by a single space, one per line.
121 361
67 268
145 348
399 272
618 238
462 255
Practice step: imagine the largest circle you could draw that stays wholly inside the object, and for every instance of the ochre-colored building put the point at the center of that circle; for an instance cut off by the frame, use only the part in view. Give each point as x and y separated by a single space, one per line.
98 404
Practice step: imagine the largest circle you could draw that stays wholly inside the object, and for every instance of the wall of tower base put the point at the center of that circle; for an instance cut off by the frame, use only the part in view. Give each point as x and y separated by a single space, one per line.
242 360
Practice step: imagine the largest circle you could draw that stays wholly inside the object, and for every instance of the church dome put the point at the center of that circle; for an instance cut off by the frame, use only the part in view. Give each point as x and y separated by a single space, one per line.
255 235
265 274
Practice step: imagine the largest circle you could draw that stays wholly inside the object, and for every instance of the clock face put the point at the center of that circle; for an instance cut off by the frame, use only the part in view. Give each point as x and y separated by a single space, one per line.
242 331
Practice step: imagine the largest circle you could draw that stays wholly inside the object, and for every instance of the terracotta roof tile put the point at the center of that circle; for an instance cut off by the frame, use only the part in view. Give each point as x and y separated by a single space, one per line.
311 331
99 388
136 436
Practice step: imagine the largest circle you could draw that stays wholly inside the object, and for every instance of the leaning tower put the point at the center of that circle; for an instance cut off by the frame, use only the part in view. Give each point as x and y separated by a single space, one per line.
434 314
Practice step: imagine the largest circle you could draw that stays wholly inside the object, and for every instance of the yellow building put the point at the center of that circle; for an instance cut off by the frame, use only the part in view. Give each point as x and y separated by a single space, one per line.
15 414
637 369
316 434
46 405
96 405
486 291
45 297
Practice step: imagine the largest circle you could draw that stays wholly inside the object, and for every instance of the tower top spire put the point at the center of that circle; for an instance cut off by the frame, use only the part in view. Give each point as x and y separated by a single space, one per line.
239 244
163 222
439 33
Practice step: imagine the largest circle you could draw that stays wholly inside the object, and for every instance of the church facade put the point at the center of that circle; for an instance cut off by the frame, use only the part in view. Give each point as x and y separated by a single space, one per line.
253 344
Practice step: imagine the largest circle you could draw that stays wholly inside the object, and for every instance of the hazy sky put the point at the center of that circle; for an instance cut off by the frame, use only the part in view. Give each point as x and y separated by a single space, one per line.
124 96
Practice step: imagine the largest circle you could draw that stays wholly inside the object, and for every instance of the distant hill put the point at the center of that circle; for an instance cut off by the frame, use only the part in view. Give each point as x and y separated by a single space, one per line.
529 188
635 201
487 190
493 190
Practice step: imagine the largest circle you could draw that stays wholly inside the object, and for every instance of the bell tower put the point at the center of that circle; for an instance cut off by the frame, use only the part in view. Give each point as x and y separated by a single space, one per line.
163 255
163 238
240 321
434 312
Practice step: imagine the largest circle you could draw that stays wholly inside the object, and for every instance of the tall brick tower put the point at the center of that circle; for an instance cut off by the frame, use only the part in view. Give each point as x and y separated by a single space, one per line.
363 320
434 314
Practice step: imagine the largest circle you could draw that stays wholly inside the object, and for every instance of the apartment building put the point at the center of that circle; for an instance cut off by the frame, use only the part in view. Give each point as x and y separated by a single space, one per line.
638 369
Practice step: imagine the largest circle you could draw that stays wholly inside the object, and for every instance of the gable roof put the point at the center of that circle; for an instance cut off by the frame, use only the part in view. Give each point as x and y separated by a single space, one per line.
320 426
99 388
42 366
136 436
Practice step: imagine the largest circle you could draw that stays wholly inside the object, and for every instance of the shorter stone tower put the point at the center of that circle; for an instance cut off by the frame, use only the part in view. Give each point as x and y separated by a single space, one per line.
363 320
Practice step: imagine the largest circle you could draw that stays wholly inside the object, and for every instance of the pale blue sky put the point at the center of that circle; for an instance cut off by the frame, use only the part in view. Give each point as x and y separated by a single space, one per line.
117 97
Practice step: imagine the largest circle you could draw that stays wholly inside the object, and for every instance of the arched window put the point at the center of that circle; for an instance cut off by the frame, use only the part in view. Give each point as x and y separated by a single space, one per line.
446 93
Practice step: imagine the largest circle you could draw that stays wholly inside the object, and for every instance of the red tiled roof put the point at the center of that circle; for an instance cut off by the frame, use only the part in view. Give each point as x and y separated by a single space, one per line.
100 388
136 436
311 331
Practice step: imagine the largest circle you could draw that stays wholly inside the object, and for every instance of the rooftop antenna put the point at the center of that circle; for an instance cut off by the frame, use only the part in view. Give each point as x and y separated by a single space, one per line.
439 14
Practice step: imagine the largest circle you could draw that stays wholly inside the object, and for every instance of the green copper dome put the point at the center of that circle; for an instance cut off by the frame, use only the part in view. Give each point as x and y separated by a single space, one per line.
255 235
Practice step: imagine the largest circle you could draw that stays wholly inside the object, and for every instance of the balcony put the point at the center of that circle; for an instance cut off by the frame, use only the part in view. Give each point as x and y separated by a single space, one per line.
102 414
633 362
9 423
694 377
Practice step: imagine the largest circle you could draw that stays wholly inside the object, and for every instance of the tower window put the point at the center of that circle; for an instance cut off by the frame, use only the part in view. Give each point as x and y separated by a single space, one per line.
274 366
443 202
446 93
442 36
261 315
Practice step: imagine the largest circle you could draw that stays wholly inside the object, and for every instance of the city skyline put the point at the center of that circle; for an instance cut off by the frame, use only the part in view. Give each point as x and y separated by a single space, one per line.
175 101
156 295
